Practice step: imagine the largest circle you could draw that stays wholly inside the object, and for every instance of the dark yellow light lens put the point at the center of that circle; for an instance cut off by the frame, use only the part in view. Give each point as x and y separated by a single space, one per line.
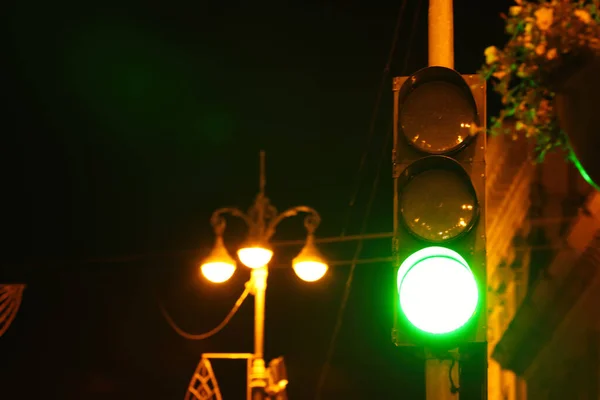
438 205
437 117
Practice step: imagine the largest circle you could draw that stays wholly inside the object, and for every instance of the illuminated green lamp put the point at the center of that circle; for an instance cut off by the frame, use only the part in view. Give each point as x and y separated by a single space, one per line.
437 290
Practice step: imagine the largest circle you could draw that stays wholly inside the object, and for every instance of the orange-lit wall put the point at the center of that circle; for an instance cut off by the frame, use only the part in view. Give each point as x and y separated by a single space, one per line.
509 176
534 214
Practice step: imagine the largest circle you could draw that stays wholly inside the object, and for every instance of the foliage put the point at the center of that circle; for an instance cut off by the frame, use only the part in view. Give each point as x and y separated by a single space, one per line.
548 41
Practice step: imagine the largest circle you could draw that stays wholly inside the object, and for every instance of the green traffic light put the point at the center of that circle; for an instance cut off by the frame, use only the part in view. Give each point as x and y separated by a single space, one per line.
438 292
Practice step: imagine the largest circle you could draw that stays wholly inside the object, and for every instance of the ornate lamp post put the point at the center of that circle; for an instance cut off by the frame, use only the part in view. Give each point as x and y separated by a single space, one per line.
262 220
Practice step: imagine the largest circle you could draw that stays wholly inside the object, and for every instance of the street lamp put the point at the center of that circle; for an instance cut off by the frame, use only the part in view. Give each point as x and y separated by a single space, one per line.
218 267
255 253
309 264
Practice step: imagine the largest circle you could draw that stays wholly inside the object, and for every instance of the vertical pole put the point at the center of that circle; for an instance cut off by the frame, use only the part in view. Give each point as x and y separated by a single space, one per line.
248 379
263 174
396 89
395 203
437 379
441 33
261 204
260 284
441 53
258 378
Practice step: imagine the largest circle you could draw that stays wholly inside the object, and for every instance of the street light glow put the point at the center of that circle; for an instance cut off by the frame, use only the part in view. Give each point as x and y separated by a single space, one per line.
255 256
217 272
310 271
309 265
255 253
219 266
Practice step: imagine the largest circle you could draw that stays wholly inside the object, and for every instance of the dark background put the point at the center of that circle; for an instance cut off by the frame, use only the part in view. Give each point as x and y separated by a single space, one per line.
126 124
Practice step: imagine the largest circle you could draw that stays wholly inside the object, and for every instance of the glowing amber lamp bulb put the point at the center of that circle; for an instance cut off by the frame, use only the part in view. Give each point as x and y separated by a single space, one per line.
309 265
218 267
255 255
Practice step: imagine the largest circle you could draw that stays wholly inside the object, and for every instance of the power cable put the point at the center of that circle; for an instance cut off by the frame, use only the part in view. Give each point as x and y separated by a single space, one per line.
335 239
453 388
213 331
347 289
411 36
363 158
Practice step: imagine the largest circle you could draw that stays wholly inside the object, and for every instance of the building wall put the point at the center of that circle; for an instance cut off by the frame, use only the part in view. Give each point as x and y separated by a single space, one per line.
568 365
509 177
526 277
570 371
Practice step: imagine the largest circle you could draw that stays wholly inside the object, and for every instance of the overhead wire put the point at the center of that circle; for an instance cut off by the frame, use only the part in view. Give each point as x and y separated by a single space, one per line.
213 331
348 286
371 133
411 37
453 388
333 239
358 250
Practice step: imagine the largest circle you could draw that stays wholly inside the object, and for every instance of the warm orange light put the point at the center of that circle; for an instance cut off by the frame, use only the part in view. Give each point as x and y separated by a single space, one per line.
309 265
218 267
217 272
283 383
310 271
255 256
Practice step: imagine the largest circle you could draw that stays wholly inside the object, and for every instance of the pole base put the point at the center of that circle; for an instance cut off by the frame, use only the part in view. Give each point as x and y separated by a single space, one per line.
258 393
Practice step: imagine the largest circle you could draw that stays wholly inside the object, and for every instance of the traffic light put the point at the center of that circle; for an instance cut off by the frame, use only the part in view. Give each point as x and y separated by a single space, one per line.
439 209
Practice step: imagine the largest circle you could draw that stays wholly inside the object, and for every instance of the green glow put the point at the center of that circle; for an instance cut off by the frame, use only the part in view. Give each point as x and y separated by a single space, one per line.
582 170
438 292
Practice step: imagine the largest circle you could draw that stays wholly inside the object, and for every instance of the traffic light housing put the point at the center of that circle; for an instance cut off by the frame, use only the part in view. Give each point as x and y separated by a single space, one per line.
439 209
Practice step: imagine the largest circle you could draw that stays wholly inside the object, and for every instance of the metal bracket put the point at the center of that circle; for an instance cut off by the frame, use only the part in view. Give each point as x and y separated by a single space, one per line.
203 385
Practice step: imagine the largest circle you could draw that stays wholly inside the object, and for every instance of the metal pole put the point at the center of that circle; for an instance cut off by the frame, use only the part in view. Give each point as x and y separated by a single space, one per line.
260 200
258 377
441 53
437 379
441 34
263 174
249 378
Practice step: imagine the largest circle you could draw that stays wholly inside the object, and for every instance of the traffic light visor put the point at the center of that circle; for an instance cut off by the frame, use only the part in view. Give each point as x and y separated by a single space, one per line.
437 291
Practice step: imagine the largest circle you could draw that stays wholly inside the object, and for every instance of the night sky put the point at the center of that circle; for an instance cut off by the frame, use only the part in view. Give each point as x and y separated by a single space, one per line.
126 124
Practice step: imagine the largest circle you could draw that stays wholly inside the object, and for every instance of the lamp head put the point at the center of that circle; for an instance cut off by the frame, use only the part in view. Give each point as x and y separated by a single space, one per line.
309 264
255 254
219 266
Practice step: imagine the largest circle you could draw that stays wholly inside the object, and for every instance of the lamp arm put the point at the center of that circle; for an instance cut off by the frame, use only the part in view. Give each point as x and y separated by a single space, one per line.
217 220
311 221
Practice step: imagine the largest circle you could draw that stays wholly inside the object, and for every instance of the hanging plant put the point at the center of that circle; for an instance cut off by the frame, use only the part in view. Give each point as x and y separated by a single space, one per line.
549 41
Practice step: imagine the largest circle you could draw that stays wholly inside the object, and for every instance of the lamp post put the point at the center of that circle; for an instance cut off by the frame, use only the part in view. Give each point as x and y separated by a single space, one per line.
262 219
